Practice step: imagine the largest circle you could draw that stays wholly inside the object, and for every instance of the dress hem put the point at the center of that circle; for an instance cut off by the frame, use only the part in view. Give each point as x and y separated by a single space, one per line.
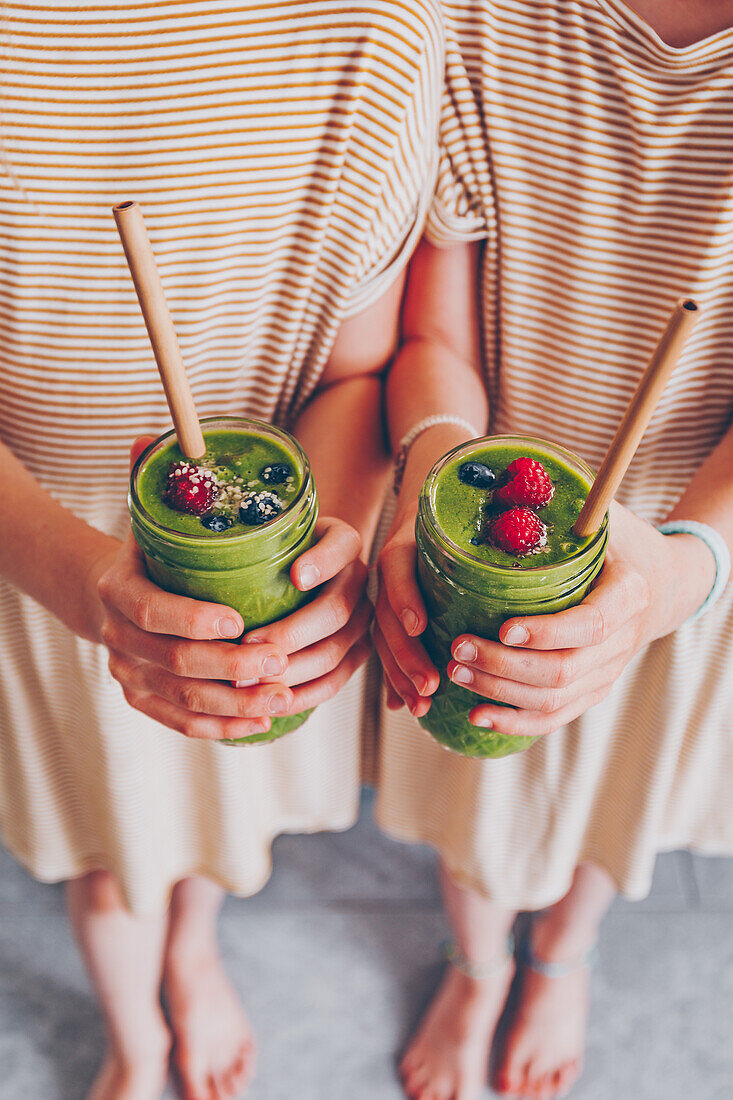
628 886
238 888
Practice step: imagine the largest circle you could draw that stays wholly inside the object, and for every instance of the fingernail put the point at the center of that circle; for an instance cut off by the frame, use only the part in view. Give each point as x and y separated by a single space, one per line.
245 683
466 651
421 684
484 723
277 704
516 635
228 628
462 675
410 621
308 576
273 666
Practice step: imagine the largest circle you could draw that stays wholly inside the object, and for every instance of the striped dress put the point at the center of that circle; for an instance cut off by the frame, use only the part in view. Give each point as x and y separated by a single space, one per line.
596 162
284 155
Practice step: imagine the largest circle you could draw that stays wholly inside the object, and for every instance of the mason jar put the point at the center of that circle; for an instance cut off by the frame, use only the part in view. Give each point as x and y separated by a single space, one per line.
247 569
465 594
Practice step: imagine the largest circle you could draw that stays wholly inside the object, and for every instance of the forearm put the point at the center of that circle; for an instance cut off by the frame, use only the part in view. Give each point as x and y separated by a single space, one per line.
707 499
437 371
341 431
48 552
428 379
709 496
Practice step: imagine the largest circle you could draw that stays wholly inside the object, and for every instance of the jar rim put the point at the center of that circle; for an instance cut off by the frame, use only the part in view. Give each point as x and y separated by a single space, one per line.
464 556
271 527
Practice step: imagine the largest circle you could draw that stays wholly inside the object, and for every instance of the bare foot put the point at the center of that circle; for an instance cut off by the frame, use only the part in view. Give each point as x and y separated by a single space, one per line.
214 1048
142 1077
448 1057
543 1055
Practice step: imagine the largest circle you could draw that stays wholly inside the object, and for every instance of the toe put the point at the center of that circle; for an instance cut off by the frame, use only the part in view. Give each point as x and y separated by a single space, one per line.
409 1062
242 1070
557 1089
501 1082
568 1074
523 1083
545 1088
416 1083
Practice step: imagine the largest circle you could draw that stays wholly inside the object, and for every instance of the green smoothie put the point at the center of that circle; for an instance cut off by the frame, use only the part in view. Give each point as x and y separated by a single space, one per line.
495 540
227 527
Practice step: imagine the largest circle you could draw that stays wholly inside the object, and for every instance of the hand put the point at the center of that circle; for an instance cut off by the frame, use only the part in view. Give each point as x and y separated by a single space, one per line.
552 668
327 639
169 652
400 617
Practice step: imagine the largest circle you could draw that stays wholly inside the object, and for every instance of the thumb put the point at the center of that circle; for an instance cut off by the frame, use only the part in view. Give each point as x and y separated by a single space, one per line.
139 446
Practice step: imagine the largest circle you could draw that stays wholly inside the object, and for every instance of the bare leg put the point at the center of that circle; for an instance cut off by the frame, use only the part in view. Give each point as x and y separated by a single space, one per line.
448 1057
214 1051
543 1057
123 955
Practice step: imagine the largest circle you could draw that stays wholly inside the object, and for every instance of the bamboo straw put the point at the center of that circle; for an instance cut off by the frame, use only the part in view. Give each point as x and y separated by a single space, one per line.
637 416
159 324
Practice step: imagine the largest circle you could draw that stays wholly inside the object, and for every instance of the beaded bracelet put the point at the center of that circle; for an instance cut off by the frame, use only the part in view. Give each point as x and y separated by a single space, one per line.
719 548
422 426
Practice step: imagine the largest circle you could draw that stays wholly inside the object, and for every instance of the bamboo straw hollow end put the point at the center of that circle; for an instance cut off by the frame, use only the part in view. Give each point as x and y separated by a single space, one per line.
690 305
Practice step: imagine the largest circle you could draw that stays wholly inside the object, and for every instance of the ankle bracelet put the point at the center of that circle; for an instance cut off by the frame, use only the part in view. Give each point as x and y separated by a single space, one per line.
452 953
586 961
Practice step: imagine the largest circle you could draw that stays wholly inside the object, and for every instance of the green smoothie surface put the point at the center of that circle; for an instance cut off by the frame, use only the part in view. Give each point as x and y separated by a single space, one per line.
464 512
235 462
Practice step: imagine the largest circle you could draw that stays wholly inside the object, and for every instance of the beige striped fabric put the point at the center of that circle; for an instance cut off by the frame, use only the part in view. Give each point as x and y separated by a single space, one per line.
284 156
595 162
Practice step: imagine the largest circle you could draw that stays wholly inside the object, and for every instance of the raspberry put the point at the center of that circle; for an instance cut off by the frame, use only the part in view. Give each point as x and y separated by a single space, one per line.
518 531
530 485
191 489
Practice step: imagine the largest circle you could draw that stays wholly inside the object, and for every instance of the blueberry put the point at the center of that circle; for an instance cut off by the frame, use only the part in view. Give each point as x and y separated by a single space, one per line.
258 508
217 522
276 474
475 473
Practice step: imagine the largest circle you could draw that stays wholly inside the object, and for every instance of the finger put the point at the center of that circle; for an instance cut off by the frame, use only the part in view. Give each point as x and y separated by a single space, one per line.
336 548
398 577
325 687
526 696
529 723
197 726
393 700
139 446
325 656
202 696
325 615
401 686
126 588
409 654
205 660
541 668
620 595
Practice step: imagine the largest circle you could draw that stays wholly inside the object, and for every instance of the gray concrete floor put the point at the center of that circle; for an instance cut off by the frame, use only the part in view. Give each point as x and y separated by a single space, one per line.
338 955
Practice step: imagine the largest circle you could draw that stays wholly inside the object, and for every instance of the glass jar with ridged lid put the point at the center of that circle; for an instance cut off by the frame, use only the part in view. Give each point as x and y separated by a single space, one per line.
243 566
470 586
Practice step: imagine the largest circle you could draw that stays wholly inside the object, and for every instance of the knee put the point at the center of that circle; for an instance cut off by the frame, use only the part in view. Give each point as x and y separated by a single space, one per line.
101 891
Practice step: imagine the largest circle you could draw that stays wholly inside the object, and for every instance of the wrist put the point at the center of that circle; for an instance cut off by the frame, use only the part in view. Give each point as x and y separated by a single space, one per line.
690 576
91 609
425 451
